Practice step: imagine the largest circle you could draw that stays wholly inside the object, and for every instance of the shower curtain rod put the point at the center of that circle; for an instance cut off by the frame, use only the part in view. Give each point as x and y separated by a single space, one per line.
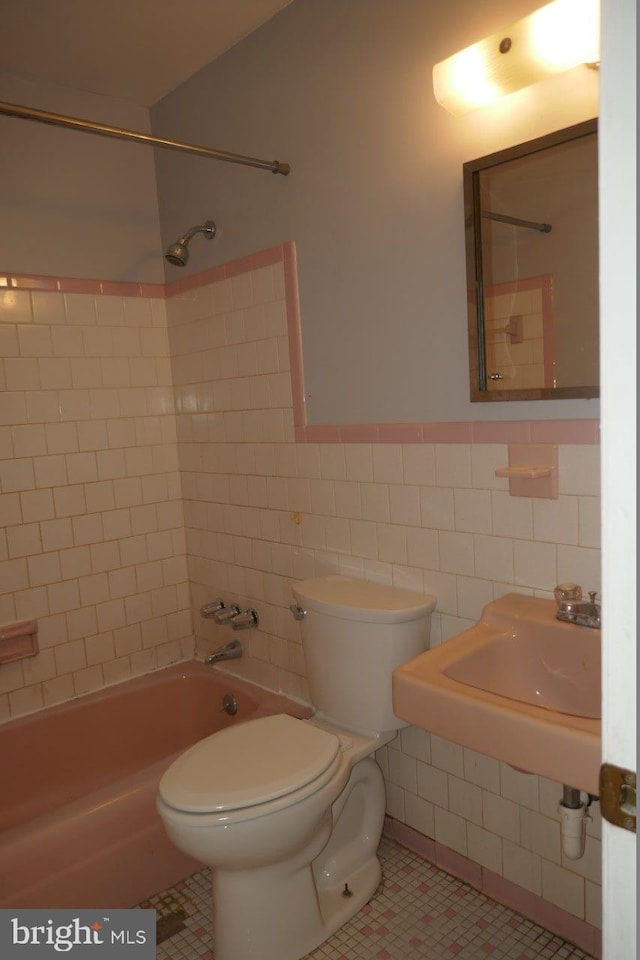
102 129
530 224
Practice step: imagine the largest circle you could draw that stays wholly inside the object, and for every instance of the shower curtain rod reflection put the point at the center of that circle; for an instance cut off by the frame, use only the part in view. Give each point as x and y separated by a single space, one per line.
119 133
517 222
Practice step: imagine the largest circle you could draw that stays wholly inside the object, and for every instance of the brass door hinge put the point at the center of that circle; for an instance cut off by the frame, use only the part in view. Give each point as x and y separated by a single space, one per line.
618 796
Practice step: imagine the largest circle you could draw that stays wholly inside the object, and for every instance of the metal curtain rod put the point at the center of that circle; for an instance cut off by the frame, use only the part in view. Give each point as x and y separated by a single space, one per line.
530 224
102 129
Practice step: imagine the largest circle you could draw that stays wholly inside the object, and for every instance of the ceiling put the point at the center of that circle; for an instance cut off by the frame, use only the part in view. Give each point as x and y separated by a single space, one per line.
134 50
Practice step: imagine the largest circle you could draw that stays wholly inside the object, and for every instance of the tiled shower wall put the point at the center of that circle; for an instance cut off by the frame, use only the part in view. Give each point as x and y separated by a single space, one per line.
91 522
95 540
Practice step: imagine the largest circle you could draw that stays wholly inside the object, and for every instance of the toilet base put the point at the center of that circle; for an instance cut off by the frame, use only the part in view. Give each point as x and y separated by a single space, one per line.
285 910
255 925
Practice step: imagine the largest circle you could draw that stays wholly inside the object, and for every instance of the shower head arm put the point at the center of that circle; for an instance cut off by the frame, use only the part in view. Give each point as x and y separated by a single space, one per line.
208 228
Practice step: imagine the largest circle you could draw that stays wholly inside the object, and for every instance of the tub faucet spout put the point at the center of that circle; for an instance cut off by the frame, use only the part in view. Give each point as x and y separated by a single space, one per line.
229 651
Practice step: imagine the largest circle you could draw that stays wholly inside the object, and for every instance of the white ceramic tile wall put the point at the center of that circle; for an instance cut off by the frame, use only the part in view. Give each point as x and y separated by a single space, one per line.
261 511
92 538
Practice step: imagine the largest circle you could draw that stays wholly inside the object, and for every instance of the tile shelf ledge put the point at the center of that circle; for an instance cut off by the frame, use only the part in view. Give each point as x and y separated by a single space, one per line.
525 472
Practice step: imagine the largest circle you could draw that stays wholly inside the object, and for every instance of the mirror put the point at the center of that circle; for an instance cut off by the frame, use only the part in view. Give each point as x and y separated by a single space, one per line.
531 217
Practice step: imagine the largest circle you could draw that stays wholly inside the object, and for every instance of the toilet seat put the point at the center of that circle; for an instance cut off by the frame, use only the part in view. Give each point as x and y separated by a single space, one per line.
253 763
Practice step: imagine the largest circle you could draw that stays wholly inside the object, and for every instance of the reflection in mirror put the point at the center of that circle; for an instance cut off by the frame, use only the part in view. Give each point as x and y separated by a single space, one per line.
531 215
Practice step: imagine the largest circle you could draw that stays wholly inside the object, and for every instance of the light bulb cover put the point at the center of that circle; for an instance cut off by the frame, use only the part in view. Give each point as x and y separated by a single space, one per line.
555 38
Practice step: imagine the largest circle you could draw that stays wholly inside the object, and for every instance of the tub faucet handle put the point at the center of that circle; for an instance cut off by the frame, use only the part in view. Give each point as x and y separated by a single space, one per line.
227 614
243 621
208 610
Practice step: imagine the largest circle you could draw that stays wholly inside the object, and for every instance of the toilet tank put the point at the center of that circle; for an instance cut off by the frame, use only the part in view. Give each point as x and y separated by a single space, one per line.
354 634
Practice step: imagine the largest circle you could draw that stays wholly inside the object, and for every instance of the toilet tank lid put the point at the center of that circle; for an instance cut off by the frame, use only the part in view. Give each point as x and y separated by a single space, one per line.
362 600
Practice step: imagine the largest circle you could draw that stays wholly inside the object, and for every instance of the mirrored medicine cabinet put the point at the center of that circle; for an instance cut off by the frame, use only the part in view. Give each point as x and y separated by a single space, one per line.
531 221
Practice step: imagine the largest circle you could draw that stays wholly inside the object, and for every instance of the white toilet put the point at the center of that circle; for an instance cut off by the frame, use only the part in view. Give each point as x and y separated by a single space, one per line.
287 812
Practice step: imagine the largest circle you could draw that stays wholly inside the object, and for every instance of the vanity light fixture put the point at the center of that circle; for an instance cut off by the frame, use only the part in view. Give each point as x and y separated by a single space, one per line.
557 37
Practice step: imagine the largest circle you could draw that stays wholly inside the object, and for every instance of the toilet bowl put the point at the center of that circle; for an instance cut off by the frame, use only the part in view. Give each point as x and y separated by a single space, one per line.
288 813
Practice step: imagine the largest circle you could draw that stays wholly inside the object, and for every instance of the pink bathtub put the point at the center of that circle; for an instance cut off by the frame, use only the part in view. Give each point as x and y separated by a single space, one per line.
78 824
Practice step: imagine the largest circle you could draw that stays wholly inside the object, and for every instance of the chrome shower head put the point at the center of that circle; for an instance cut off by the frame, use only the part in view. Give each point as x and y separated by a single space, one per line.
178 252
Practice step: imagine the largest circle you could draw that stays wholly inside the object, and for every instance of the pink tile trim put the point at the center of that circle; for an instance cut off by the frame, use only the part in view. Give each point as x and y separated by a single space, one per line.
268 257
400 432
184 284
359 432
32 283
153 291
290 263
107 288
114 288
459 866
236 267
321 434
506 431
541 431
586 936
407 837
447 432
72 285
566 431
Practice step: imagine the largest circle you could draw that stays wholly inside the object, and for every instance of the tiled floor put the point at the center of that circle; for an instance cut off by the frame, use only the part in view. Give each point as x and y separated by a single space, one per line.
418 913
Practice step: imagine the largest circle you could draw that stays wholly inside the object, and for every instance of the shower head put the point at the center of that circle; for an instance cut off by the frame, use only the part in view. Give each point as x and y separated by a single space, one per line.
178 252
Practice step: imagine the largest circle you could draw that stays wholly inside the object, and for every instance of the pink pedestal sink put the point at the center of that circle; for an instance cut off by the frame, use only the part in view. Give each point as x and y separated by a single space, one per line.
519 686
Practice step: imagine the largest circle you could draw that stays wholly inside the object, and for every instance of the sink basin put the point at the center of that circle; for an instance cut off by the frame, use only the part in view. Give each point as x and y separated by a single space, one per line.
519 686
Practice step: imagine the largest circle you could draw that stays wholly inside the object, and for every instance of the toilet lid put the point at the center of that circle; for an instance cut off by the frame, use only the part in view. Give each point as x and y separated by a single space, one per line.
248 764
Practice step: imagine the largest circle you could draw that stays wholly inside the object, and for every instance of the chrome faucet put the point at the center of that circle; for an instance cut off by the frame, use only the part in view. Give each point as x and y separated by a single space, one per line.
573 609
228 614
243 621
218 611
209 610
229 651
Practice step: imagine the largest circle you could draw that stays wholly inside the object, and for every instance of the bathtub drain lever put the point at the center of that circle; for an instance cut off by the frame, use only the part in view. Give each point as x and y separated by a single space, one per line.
229 705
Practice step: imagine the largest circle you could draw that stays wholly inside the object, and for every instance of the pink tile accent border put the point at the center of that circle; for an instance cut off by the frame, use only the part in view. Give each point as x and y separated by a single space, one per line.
98 288
577 931
407 837
584 935
290 263
565 431
447 432
400 432
507 431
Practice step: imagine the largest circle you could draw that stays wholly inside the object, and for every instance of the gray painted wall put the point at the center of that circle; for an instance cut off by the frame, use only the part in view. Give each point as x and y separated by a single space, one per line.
341 89
73 204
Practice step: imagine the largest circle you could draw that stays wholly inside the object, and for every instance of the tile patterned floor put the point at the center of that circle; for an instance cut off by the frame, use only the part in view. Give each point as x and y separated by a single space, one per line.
418 913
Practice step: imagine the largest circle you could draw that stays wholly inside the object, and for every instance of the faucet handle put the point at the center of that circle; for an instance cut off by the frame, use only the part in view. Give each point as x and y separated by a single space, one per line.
593 595
209 610
227 614
243 621
567 591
